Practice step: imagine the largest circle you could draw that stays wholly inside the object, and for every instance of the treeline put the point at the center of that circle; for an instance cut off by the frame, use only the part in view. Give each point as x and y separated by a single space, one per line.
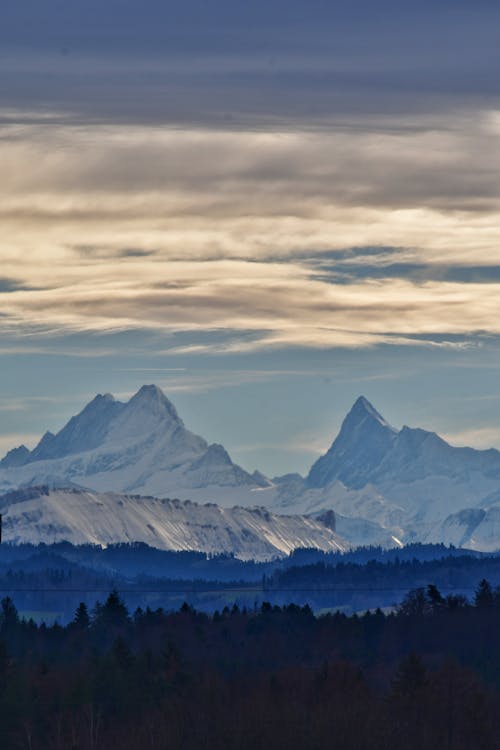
50 585
137 558
134 559
376 583
425 676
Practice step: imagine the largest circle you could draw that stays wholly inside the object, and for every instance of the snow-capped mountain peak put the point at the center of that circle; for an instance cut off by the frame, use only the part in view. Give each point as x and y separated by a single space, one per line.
148 410
85 431
151 398
141 446
363 411
363 440
382 483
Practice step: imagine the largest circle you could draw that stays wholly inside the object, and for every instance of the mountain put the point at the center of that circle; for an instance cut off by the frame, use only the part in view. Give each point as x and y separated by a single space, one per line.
138 446
82 433
386 485
363 441
46 515
15 457
473 528
369 450
409 482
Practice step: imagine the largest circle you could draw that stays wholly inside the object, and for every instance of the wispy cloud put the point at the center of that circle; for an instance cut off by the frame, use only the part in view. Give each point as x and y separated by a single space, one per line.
27 403
279 238
475 437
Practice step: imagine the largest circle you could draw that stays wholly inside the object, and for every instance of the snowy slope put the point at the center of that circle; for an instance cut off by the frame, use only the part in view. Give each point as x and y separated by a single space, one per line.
368 451
140 446
409 483
364 440
473 528
386 483
78 516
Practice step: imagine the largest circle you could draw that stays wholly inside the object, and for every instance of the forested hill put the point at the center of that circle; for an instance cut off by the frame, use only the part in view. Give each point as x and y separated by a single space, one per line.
424 677
47 582
137 558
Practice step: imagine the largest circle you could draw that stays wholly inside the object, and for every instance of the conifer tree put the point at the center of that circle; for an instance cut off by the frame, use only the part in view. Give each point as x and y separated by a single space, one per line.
82 619
484 596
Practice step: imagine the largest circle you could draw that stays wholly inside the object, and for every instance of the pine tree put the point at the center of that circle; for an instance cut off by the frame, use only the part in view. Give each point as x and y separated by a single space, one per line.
82 619
9 616
434 597
484 596
114 612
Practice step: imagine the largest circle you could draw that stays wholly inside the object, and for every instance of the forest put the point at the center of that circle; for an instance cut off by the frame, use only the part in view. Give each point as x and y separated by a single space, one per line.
49 581
425 675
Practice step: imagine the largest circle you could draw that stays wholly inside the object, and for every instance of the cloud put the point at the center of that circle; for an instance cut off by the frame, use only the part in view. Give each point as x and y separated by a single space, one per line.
476 437
201 382
27 402
261 305
254 239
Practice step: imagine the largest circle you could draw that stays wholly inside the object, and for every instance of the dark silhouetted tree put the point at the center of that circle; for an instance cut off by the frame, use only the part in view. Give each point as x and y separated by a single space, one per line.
484 595
82 619
9 617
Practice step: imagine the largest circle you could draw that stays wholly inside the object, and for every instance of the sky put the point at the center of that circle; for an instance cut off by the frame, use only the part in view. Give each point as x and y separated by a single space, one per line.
266 208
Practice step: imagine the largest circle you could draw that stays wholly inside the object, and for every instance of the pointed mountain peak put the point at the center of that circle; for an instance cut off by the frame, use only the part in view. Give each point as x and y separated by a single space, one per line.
85 431
362 410
152 395
46 438
150 398
364 439
216 454
43 448
151 391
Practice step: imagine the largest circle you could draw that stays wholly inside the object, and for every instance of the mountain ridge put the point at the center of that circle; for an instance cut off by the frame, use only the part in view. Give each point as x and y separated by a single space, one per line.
129 446
404 484
81 517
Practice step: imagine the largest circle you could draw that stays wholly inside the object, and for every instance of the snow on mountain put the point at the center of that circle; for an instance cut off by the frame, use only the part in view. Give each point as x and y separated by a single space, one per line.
369 451
387 484
363 441
363 533
82 433
428 477
140 446
473 528
78 516
292 495
410 483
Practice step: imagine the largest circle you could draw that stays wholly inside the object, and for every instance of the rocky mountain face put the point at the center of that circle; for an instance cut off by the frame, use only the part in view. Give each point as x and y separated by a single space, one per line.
138 446
409 482
385 485
368 450
364 440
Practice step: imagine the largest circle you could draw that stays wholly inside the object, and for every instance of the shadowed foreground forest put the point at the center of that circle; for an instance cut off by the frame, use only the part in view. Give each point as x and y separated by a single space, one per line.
425 676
